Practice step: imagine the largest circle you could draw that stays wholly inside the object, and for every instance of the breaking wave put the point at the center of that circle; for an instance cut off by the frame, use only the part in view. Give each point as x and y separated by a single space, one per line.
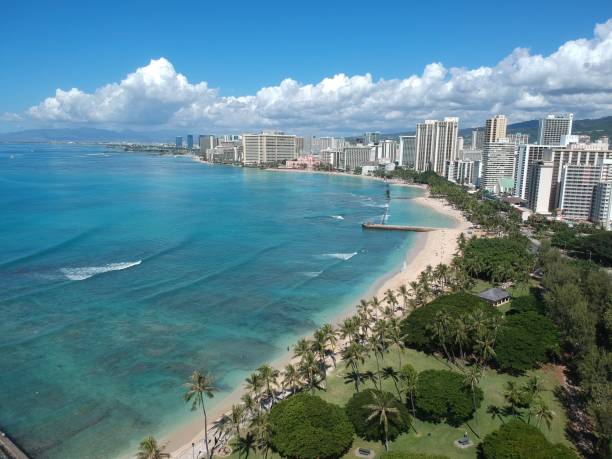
340 256
85 272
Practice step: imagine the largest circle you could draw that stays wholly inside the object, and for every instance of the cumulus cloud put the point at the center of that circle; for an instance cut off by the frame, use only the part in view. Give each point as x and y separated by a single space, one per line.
575 78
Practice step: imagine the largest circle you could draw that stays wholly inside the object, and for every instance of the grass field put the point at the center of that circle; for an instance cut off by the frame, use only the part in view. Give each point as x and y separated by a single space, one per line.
439 438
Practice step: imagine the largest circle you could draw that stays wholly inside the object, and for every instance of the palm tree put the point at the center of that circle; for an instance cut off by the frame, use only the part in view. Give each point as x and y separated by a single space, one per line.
392 374
391 299
542 412
249 403
496 412
331 340
236 417
291 378
149 449
376 305
410 379
418 297
198 387
319 347
254 385
261 430
460 336
349 329
484 347
301 348
383 410
471 377
397 338
513 396
309 369
244 445
268 376
404 293
439 330
353 355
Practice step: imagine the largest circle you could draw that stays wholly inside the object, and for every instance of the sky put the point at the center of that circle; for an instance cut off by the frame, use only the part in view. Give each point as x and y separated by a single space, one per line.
320 67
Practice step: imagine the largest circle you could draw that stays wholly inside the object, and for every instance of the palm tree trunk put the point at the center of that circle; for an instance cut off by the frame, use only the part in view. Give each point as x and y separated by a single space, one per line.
205 426
475 414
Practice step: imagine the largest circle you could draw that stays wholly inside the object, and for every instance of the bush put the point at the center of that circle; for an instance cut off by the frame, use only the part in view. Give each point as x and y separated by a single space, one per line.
443 396
518 440
372 430
498 259
527 303
306 427
407 455
457 305
524 341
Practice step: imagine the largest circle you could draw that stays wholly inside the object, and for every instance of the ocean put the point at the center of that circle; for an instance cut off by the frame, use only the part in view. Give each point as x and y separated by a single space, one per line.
121 273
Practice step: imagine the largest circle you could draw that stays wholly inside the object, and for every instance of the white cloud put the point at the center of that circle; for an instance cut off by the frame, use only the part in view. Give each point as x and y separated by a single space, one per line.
574 78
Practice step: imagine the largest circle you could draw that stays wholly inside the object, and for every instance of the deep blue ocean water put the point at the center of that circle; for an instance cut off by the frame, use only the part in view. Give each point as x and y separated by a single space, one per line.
121 273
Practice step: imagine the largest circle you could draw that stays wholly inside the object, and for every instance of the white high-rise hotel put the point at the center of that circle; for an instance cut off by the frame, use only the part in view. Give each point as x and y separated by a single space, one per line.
268 148
553 127
436 145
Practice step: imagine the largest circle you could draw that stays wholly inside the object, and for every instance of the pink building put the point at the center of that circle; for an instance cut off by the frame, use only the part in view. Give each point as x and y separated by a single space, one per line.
303 162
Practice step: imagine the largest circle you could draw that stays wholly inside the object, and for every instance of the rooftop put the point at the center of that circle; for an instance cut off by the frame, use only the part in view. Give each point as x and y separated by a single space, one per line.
494 294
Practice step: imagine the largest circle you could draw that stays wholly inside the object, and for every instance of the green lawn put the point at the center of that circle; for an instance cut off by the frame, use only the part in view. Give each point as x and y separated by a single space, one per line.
439 438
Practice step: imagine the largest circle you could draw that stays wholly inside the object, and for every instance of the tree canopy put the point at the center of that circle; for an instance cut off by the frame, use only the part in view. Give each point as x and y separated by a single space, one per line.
358 413
524 341
442 396
307 427
416 327
500 259
519 440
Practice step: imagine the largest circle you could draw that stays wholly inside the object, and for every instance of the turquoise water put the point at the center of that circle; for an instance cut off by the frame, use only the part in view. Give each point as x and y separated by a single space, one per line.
121 273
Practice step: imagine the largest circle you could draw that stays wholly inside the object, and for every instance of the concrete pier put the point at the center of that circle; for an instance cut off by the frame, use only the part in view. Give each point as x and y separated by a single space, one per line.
417 229
10 449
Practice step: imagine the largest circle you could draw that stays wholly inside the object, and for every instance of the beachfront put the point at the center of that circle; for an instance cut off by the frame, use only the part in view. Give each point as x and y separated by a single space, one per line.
431 249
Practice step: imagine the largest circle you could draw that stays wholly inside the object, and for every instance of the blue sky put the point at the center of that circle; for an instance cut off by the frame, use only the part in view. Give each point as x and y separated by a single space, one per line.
240 47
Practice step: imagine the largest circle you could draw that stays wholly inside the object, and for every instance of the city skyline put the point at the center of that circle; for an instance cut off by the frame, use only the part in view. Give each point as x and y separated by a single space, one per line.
569 76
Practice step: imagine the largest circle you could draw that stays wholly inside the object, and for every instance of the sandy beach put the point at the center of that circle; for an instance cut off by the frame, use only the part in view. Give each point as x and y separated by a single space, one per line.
431 248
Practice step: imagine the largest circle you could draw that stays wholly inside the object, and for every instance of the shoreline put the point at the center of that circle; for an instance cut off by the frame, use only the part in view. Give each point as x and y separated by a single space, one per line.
429 248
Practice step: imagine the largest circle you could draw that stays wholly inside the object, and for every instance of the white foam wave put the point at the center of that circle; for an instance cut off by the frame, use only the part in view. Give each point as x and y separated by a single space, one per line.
338 217
340 256
312 273
85 272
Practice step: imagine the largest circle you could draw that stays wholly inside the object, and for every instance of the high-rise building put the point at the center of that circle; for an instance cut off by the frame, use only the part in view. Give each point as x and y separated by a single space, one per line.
540 184
528 156
371 138
385 151
495 129
206 142
601 211
179 142
190 142
407 150
518 138
498 161
325 143
459 145
573 154
553 127
477 139
268 148
577 195
436 145
355 156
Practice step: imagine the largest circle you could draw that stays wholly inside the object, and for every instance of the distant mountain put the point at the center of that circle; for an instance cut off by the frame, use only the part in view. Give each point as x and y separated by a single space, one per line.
84 135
